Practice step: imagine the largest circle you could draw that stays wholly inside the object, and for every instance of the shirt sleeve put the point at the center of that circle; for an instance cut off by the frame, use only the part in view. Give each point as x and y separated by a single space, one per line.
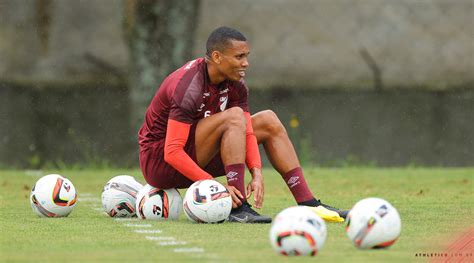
176 137
186 99
252 155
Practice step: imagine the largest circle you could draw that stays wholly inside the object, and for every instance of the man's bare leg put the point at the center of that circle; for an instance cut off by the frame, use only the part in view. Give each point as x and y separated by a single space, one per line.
271 133
224 132
280 151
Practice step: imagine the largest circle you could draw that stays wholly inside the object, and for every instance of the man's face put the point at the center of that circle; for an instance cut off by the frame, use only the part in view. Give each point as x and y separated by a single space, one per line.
234 60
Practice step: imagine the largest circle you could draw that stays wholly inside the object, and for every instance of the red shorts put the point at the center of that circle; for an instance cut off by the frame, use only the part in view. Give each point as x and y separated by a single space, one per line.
160 174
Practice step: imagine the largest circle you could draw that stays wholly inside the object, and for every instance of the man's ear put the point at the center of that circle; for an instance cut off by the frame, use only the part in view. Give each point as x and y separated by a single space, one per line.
216 57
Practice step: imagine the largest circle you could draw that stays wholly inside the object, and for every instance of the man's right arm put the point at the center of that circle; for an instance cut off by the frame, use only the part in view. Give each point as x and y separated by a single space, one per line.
176 137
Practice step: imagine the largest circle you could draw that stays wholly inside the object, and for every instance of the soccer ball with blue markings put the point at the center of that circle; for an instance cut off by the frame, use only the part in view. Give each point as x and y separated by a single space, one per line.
298 231
373 223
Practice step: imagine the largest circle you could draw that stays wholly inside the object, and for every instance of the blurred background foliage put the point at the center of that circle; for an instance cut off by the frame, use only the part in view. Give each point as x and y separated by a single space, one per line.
373 82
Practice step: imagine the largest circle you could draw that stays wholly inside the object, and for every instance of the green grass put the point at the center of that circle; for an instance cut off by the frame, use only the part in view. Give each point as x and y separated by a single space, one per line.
434 204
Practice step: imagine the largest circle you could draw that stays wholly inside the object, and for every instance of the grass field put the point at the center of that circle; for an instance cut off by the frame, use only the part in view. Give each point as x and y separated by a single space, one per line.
435 205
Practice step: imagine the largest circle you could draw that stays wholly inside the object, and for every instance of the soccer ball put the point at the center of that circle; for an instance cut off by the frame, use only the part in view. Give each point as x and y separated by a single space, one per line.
53 196
373 223
119 194
298 231
158 204
207 201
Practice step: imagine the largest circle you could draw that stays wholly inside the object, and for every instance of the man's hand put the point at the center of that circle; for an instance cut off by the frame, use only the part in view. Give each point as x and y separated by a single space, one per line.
236 196
256 186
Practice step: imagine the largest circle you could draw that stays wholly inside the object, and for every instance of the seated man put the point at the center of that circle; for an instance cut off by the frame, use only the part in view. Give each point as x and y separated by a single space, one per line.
198 126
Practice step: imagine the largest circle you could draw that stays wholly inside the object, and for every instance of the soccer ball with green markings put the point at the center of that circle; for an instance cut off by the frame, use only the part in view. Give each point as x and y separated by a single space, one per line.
298 231
53 196
373 223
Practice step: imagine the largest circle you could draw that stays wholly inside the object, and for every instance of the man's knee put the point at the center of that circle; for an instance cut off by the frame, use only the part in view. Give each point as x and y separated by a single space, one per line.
235 118
271 122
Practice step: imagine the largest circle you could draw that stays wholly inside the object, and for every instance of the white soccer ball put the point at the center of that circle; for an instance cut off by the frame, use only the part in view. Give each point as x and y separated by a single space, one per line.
207 201
53 196
373 223
158 204
298 231
119 195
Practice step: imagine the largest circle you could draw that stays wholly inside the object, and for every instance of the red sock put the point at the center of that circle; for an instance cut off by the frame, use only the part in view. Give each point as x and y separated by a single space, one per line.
235 176
297 184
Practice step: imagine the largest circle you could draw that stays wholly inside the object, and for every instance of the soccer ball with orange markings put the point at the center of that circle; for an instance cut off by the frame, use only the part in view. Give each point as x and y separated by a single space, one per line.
53 196
207 201
373 223
119 195
158 204
298 231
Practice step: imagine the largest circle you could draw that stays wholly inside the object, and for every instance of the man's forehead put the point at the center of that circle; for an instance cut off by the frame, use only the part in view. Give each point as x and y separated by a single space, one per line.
238 46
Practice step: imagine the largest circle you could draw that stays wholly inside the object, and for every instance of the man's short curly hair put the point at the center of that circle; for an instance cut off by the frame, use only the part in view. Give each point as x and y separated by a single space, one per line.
219 39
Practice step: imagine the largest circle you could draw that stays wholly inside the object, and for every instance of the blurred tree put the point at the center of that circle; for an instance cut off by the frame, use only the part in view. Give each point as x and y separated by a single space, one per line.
160 36
43 23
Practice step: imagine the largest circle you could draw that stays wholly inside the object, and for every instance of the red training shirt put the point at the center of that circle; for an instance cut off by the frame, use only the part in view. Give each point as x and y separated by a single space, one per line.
185 97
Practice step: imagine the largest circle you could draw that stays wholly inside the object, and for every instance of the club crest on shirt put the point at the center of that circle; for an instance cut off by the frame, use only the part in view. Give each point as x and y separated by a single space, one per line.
224 91
223 101
201 107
